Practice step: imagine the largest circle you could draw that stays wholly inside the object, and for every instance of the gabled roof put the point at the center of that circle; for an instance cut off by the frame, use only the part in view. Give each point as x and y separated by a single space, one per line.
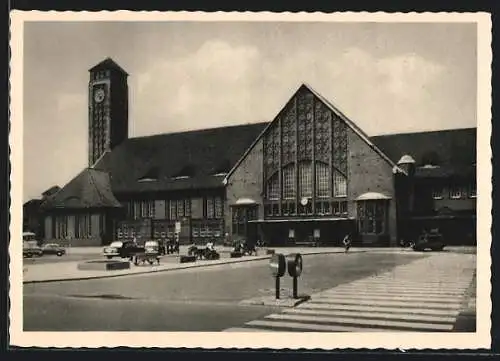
108 64
177 161
337 112
89 189
51 191
452 151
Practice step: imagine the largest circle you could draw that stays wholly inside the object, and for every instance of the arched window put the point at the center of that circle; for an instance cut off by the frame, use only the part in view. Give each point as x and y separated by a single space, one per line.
289 182
273 191
339 184
305 179
323 189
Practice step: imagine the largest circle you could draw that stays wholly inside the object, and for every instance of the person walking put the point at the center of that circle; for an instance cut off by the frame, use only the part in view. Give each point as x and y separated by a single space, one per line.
347 242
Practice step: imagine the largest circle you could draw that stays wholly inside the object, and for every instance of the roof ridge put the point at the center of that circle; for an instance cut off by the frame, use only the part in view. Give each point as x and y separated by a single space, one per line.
199 130
425 132
92 180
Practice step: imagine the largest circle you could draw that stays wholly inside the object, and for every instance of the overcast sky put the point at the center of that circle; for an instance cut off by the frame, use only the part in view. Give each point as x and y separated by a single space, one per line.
388 78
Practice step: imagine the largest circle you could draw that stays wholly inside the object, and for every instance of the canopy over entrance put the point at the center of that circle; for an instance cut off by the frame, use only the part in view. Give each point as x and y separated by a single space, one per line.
372 196
245 202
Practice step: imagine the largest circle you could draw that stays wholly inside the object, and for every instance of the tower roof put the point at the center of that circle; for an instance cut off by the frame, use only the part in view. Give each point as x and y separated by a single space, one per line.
107 64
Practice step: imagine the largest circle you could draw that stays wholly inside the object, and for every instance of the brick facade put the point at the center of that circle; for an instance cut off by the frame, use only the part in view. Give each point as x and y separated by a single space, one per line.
369 172
246 182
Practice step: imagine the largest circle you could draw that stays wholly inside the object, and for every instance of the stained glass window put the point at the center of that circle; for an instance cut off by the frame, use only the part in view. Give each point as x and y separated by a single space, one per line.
322 180
289 182
273 187
305 179
339 185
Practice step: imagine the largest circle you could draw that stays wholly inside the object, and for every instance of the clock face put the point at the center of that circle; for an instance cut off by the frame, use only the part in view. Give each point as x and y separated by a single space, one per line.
99 95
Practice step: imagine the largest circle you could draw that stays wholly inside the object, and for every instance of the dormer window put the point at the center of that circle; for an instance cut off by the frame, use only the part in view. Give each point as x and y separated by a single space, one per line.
430 166
181 177
150 176
472 190
455 192
222 169
185 173
430 160
437 193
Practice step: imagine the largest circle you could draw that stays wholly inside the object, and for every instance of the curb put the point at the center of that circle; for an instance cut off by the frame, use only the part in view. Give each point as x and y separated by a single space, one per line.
196 265
188 266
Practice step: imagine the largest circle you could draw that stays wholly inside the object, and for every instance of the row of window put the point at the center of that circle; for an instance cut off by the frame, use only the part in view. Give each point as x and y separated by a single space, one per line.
207 230
455 192
197 230
305 184
321 208
208 207
77 226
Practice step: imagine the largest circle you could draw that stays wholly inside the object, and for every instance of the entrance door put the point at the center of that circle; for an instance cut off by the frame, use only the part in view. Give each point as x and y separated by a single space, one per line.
241 228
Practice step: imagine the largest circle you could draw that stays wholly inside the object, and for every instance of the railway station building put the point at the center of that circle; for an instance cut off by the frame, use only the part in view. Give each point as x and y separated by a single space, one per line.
308 174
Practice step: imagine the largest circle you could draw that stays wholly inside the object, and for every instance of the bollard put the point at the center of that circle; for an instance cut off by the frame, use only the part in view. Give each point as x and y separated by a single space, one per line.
277 264
294 265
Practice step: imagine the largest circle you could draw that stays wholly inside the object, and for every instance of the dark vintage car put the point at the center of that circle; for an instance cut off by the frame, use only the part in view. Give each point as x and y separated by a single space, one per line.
53 248
432 241
31 249
122 249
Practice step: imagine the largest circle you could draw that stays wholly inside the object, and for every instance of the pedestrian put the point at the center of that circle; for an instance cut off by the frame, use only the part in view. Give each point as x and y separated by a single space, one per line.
347 242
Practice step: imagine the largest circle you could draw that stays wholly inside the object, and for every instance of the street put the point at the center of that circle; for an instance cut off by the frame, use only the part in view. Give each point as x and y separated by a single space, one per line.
203 299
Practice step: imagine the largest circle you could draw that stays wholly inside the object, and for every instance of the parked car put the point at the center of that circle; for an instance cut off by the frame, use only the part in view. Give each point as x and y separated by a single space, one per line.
31 249
53 248
431 241
122 249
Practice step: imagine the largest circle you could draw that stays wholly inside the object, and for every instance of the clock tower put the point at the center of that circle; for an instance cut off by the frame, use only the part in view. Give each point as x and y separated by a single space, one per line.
108 108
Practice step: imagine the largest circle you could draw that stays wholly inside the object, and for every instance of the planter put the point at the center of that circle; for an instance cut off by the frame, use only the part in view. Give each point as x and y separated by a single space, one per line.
103 265
186 259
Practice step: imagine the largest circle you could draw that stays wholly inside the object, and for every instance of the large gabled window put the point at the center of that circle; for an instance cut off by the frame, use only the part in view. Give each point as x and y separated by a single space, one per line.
289 182
273 189
305 179
323 189
339 184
